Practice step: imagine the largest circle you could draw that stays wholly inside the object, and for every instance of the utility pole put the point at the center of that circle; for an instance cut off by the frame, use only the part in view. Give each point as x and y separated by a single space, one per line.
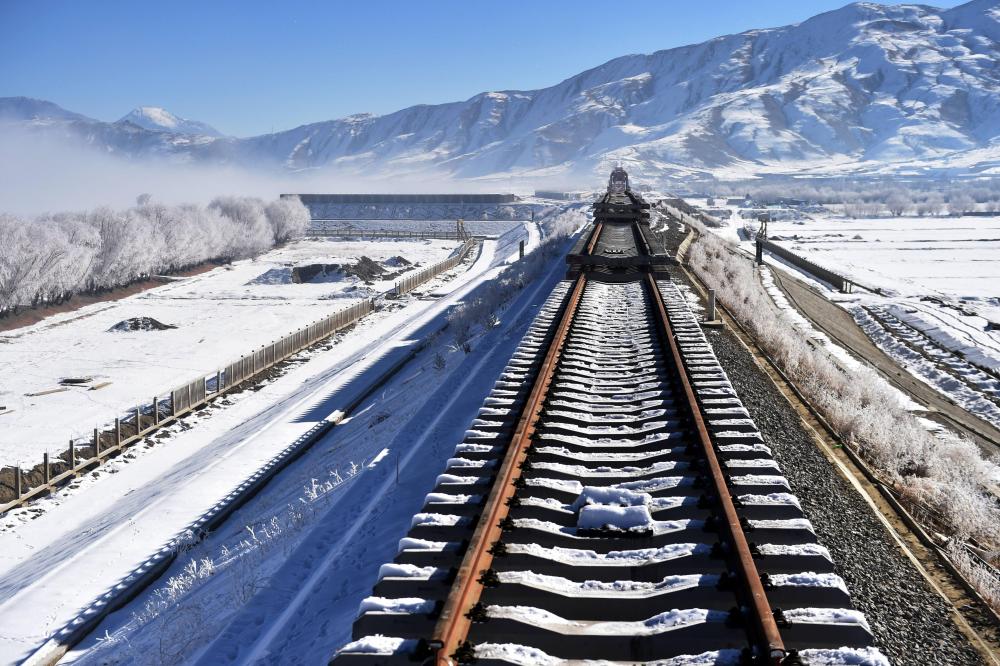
761 237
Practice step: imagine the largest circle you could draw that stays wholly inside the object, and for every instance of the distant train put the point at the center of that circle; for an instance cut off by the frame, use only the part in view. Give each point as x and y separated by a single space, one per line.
618 182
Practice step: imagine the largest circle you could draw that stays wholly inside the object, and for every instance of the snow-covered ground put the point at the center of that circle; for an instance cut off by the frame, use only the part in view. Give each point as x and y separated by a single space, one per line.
937 277
219 315
60 555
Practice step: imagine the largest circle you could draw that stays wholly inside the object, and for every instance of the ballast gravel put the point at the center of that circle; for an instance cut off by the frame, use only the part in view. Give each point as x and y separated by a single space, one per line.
911 622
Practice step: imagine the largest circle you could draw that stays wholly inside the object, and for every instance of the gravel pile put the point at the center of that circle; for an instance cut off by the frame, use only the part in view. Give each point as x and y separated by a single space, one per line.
140 324
911 623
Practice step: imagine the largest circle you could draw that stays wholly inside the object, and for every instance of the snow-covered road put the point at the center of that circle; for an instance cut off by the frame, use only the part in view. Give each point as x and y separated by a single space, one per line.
85 542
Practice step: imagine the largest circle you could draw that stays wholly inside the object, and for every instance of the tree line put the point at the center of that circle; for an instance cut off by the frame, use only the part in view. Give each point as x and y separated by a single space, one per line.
876 198
46 259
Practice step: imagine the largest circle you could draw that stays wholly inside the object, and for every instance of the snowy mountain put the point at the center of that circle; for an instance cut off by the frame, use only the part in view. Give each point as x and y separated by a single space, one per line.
866 88
158 119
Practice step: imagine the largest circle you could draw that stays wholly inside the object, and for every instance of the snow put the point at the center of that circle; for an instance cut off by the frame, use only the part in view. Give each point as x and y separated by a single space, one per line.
969 387
799 100
602 589
417 415
808 579
953 260
759 480
623 518
219 315
793 549
771 498
528 656
932 315
401 606
844 657
160 120
437 519
393 570
826 616
610 495
657 624
112 523
622 558
410 543
378 644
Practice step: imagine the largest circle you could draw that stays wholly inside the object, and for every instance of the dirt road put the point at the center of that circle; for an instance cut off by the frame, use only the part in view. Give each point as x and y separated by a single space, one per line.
838 324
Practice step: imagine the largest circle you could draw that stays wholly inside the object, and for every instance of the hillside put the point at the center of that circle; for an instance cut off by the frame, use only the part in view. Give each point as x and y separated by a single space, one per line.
865 88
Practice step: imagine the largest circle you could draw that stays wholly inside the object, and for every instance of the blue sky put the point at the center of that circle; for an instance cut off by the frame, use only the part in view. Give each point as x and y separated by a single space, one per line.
248 67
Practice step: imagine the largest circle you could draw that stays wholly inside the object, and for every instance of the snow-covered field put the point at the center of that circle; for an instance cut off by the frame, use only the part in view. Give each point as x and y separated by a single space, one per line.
937 277
955 259
219 315
58 556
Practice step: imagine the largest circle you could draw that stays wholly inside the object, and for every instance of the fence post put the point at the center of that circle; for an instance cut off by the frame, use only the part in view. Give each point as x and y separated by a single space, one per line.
72 455
17 482
138 420
218 381
173 403
118 432
710 314
156 411
46 470
97 443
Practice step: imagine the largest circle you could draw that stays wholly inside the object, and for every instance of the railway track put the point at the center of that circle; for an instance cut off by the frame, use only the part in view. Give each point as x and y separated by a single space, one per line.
612 502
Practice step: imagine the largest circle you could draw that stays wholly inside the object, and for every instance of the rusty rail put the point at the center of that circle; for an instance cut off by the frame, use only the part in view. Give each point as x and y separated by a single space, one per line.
763 617
453 625
594 236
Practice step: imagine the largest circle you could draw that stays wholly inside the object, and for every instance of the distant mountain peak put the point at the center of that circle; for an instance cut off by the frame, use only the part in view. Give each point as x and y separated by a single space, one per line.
158 119
867 88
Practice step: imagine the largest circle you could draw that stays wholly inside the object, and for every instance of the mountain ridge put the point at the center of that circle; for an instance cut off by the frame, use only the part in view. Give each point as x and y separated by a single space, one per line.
863 88
158 119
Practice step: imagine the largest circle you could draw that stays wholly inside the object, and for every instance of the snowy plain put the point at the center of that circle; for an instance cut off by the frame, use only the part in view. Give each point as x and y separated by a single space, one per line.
220 315
929 291
60 555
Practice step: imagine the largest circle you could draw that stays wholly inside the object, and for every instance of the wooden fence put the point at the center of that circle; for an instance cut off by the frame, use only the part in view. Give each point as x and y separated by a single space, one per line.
26 485
161 410
411 282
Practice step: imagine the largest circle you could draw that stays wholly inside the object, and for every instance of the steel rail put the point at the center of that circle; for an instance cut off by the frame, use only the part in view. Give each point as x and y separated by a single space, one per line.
766 626
452 627
594 236
453 624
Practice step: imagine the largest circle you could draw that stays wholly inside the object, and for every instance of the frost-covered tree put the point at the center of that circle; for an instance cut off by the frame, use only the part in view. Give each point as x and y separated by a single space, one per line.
898 202
252 233
48 258
288 219
959 202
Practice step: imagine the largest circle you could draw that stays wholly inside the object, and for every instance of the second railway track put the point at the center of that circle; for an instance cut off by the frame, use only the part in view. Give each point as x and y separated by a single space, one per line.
612 502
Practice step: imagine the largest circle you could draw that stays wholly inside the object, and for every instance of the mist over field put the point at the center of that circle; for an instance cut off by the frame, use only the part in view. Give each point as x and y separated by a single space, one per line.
40 174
